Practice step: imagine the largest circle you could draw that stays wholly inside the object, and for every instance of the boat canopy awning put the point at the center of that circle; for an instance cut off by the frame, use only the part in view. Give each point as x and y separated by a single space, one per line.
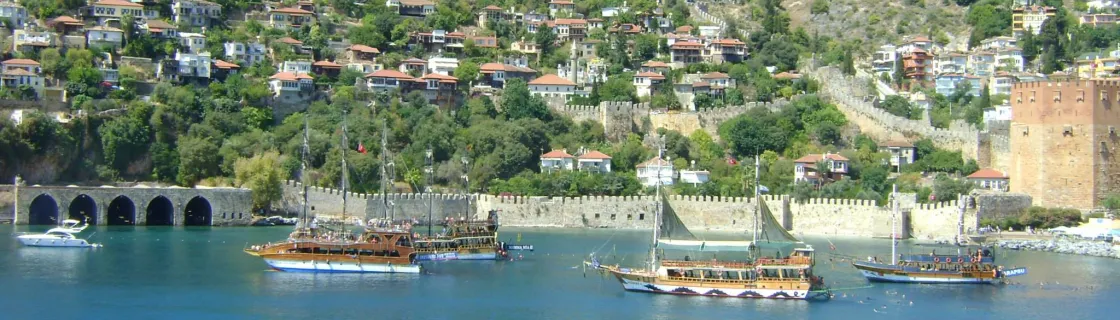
704 245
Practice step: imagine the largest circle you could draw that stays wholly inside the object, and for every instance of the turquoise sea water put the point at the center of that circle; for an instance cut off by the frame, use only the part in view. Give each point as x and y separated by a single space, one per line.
187 273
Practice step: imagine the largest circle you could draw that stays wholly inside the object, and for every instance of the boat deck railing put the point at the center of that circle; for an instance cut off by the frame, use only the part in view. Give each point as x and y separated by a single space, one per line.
756 280
707 264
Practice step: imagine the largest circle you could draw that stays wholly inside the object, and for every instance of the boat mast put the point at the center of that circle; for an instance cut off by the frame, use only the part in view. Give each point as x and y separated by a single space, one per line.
757 207
466 183
303 171
894 216
657 212
345 171
384 163
428 188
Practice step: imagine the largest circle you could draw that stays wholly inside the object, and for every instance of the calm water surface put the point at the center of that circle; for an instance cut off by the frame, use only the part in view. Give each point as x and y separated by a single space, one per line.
185 273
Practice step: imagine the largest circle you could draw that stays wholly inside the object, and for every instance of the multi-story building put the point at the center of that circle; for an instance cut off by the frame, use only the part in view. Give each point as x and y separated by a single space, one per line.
360 53
291 88
248 53
160 29
196 13
1097 19
805 168
437 40
193 66
415 8
388 79
916 64
996 43
729 50
1009 59
443 65
14 12
101 36
655 171
109 10
1096 66
883 60
1030 18
947 83
495 75
556 160
685 52
901 153
491 14
192 42
296 67
32 41
552 86
21 72
556 6
982 63
285 18
1063 142
594 161
644 82
990 179
953 62
523 46
655 67
570 29
917 43
1000 83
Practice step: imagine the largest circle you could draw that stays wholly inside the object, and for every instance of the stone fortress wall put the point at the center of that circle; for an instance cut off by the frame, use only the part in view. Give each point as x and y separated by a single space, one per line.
842 217
621 118
848 92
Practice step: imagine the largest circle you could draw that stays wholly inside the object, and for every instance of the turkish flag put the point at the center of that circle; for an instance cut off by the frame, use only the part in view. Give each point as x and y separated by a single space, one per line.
361 148
731 160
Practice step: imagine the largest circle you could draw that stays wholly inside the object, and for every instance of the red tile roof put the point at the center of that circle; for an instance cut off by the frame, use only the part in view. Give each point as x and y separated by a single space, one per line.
19 72
787 76
987 174
304 76
66 20
594 155
715 75
21 61
225 65
439 77
551 79
492 8
684 29
289 40
814 158
729 42
655 64
160 24
560 2
296 11
388 73
118 3
686 45
326 64
284 76
650 75
364 48
491 67
570 21
556 154
417 3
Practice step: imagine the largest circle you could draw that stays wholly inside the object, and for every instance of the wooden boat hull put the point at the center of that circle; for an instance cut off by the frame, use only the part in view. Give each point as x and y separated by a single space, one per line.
885 273
458 255
340 266
649 284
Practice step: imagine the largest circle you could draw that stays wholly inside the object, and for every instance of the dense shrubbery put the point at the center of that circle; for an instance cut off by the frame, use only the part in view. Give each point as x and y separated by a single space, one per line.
1038 218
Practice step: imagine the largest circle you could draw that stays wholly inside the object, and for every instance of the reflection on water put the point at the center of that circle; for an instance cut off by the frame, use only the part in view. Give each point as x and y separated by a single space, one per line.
283 283
64 263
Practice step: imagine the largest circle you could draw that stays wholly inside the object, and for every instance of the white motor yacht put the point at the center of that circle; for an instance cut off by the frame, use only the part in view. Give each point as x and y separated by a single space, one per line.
59 237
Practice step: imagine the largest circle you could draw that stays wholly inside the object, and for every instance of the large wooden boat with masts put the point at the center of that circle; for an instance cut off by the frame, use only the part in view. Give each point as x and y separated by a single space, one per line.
974 266
383 246
778 277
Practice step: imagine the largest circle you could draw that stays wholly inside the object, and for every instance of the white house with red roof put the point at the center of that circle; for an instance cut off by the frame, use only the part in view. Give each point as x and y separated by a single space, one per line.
558 159
495 75
18 72
388 79
285 18
685 52
415 8
556 6
249 53
655 169
594 161
655 67
290 87
990 179
644 82
805 168
552 86
115 10
695 176
196 13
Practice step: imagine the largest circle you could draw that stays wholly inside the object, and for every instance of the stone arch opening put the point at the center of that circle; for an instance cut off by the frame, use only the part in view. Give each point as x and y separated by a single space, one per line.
43 211
83 208
160 212
122 212
198 212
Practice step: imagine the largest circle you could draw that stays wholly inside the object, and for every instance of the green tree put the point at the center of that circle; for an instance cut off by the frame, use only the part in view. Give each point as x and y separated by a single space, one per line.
263 176
198 159
518 104
467 72
819 7
545 39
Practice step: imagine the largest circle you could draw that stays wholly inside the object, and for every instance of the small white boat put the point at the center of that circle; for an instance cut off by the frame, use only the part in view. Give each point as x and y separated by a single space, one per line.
59 237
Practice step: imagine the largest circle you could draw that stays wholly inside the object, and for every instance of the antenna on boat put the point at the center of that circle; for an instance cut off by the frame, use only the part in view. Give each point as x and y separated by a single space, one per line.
758 205
345 171
466 181
894 216
428 188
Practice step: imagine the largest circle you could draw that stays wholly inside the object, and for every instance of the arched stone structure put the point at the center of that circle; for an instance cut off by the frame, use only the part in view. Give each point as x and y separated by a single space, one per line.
159 212
83 208
121 212
198 212
43 210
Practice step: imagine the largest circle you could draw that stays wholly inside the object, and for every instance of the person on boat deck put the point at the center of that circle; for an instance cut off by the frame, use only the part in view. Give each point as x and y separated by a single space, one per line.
686 258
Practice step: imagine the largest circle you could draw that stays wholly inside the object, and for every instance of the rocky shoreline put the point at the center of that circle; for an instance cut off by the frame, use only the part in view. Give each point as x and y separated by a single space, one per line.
1085 248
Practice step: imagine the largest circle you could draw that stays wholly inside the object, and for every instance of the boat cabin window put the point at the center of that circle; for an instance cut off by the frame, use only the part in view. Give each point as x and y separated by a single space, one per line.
373 238
403 241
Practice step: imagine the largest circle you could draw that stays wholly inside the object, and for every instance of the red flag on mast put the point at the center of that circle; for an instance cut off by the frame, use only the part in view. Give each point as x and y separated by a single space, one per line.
361 148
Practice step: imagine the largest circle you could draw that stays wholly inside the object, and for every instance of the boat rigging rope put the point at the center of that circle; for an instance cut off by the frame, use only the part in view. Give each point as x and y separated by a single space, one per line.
593 252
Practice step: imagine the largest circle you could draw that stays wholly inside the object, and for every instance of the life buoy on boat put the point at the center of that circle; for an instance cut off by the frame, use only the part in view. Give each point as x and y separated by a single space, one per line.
974 260
960 260
801 272
936 260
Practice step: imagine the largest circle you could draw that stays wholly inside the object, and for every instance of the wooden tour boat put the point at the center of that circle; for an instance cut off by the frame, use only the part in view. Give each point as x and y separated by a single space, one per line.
778 277
975 266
